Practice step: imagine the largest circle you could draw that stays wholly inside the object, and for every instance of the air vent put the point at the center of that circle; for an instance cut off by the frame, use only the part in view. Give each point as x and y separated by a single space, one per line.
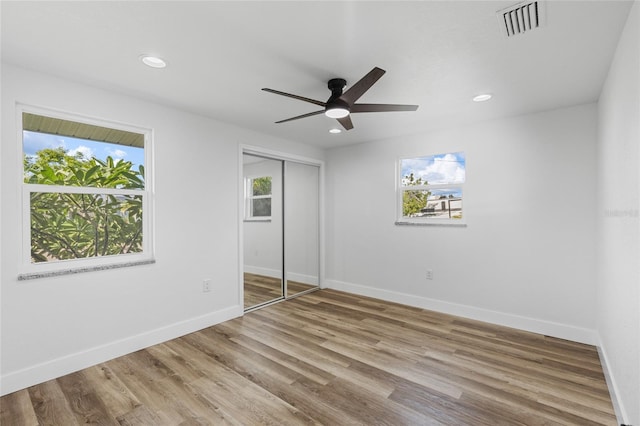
521 18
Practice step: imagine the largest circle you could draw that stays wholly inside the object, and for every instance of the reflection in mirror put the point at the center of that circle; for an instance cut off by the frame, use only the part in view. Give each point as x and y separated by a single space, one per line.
302 261
262 230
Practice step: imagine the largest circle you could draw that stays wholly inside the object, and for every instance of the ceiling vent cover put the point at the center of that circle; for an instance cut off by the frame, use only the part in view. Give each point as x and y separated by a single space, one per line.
521 18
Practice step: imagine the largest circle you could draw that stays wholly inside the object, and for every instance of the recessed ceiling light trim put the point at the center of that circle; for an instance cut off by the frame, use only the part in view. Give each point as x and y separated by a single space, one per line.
335 131
482 97
153 61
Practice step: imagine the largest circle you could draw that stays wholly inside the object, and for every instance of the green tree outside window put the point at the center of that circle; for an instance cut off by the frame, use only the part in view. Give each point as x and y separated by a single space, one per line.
70 225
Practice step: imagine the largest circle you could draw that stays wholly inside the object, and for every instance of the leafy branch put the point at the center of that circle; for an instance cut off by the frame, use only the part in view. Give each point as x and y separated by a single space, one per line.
67 225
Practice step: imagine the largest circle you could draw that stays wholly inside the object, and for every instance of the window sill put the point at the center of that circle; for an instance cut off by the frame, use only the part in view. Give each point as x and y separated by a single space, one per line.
446 224
70 271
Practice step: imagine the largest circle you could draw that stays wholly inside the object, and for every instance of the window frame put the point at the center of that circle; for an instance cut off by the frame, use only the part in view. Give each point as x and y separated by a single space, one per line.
427 221
31 269
249 198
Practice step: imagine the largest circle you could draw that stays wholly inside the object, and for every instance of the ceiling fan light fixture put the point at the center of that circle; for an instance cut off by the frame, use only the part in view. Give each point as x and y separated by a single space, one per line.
482 97
153 61
337 112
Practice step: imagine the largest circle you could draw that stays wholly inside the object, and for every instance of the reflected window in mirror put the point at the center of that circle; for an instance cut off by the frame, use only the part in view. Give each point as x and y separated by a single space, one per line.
258 198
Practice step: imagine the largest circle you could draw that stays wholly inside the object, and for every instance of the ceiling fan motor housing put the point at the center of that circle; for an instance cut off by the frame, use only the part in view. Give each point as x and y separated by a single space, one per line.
336 85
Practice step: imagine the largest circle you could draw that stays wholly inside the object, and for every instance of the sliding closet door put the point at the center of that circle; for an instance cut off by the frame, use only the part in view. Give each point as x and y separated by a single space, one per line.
301 227
262 230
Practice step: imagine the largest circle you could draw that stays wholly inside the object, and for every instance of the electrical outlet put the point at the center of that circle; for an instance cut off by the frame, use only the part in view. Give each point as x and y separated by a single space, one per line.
206 286
429 274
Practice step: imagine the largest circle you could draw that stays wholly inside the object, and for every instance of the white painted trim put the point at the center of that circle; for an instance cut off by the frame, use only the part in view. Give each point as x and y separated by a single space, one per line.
267 272
240 212
49 370
618 406
303 278
147 194
279 155
548 328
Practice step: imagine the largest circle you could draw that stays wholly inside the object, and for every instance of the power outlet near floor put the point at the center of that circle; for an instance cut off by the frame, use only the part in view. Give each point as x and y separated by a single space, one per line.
206 286
429 274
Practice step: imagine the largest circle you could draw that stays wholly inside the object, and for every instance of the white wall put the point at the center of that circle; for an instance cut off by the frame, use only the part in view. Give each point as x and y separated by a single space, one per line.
57 325
618 238
526 258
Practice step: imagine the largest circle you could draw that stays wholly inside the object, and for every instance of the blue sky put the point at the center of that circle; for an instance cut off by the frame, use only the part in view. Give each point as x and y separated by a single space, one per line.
33 142
436 169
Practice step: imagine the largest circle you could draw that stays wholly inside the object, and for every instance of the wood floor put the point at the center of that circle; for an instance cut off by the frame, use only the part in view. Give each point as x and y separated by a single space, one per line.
335 359
259 289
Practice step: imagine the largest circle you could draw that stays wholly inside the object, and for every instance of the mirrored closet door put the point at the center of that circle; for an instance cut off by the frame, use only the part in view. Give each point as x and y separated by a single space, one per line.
262 230
281 228
301 230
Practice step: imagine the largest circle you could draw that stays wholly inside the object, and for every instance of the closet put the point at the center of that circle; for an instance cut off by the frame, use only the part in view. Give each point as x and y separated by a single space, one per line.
281 228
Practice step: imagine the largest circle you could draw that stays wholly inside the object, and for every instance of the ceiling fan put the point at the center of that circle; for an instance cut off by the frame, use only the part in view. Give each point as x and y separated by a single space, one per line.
341 105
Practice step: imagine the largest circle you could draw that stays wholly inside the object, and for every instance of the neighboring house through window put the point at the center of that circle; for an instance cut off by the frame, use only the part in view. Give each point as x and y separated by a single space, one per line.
430 188
86 194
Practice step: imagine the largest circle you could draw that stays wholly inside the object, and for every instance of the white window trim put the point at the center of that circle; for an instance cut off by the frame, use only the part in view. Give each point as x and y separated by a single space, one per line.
249 197
29 270
424 221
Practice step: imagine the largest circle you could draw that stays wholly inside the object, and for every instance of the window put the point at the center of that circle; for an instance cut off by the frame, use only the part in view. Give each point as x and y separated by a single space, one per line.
85 196
258 192
430 189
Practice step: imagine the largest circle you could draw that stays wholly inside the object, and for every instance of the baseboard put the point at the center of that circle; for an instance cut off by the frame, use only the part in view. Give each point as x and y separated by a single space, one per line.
302 278
33 375
548 328
276 273
267 272
618 406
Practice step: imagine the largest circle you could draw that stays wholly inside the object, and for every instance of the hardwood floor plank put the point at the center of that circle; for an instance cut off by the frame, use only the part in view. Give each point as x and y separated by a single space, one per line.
393 365
84 402
450 411
245 362
249 404
167 396
275 350
330 362
140 415
370 408
114 394
51 405
17 409
332 358
260 289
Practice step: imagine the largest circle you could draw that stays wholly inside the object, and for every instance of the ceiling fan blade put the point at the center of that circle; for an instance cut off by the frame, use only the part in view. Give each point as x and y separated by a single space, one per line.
364 84
382 108
300 98
301 116
346 122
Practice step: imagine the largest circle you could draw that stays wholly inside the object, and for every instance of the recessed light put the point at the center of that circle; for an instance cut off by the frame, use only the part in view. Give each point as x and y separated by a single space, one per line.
334 130
482 98
153 61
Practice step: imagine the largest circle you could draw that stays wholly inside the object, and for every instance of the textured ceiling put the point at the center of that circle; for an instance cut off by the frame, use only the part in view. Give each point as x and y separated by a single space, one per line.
220 54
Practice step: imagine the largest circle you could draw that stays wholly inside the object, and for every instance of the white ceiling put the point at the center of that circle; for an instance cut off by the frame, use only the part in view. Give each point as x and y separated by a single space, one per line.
220 54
